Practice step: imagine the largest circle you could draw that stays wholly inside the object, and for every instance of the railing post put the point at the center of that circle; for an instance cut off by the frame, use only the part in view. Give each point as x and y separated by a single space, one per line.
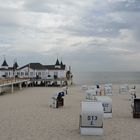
12 88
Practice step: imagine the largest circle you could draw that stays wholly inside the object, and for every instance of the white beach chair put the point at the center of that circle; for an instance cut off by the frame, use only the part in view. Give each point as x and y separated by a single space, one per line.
84 87
107 90
124 88
90 93
107 105
91 118
132 94
55 102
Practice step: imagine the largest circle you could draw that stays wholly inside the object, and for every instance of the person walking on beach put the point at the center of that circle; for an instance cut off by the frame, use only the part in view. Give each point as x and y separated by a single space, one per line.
98 91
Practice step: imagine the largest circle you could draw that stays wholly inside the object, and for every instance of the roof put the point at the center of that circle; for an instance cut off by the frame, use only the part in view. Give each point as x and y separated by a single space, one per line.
4 63
34 66
39 66
6 69
61 63
15 65
52 67
57 62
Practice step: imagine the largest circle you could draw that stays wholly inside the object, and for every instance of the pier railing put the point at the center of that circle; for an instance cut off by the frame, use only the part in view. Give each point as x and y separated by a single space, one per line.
11 80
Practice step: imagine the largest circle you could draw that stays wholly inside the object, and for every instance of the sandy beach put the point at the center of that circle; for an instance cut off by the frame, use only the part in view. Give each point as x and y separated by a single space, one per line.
26 115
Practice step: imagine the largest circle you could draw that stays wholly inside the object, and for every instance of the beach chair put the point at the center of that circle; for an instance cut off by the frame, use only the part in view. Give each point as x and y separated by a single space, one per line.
91 118
90 93
124 88
84 87
57 100
60 100
53 103
132 93
136 108
107 90
107 105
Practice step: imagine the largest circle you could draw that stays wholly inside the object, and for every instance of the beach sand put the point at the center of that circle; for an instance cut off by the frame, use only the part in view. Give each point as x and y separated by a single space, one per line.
26 115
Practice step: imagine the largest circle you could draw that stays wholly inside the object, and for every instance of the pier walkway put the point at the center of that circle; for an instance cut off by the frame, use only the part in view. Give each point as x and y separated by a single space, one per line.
10 82
13 83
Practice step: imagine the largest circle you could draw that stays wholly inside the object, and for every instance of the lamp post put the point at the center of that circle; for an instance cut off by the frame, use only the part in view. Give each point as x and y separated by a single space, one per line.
14 73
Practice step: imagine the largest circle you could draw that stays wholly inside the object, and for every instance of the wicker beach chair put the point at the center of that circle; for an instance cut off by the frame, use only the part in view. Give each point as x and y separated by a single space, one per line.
136 108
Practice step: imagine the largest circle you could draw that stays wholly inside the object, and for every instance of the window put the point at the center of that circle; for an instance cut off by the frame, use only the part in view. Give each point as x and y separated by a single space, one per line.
39 73
43 73
26 73
6 73
22 73
31 73
55 73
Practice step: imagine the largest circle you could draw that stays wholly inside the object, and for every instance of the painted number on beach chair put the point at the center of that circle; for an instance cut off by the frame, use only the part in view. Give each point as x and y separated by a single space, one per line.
105 106
92 119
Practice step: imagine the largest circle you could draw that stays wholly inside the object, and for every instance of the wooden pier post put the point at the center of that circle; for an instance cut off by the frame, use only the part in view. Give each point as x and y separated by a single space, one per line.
0 90
60 83
20 86
26 84
45 83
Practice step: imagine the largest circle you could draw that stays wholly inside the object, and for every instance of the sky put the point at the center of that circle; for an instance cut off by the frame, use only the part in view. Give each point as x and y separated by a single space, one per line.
88 35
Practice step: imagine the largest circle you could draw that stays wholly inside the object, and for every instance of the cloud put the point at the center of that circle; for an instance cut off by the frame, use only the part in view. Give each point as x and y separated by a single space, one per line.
125 5
95 32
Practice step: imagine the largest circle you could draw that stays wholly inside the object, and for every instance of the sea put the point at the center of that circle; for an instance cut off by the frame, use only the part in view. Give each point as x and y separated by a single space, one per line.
93 78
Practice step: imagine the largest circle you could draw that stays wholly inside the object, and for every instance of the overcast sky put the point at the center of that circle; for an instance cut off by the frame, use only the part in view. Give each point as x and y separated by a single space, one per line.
97 35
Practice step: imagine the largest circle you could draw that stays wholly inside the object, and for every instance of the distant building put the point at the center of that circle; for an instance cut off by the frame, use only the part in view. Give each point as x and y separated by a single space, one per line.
34 70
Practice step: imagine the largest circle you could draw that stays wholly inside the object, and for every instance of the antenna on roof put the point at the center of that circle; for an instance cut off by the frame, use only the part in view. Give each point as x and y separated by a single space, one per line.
14 60
57 55
69 67
4 57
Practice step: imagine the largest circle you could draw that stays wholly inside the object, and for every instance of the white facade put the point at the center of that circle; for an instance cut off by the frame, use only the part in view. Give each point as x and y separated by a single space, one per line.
43 74
6 73
58 73
30 73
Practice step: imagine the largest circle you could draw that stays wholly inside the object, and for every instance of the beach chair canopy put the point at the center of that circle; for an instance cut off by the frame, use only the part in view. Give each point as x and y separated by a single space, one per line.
89 106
